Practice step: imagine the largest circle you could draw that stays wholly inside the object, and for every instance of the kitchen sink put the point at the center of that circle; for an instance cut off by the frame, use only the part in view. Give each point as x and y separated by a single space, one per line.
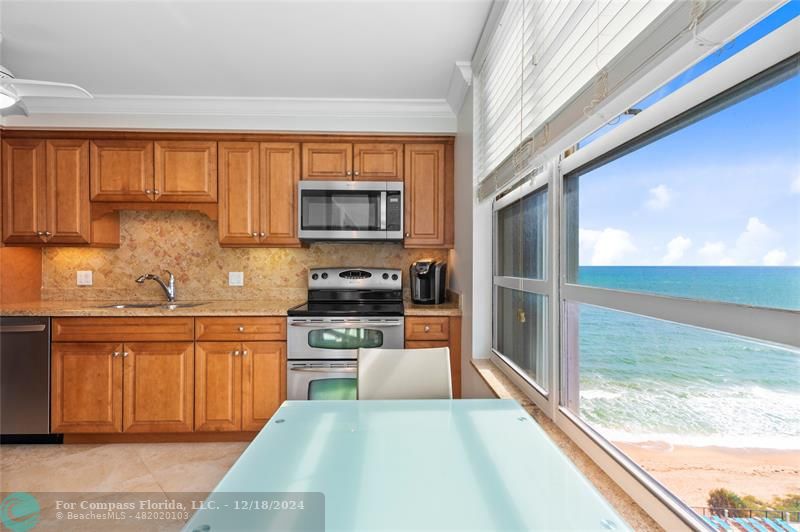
168 306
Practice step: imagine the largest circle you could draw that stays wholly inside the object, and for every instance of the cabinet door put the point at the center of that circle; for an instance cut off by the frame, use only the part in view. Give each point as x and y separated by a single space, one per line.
122 170
424 195
263 382
218 387
68 209
185 171
280 173
24 198
86 387
327 160
158 387
238 193
378 162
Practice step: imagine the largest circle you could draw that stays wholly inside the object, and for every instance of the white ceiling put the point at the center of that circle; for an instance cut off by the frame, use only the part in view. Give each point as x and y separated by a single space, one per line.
264 49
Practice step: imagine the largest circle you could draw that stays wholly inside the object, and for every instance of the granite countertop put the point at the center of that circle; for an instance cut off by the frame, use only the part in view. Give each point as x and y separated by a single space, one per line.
276 307
264 307
451 308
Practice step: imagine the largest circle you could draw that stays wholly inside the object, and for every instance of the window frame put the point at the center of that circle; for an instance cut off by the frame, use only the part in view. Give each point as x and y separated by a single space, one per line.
763 324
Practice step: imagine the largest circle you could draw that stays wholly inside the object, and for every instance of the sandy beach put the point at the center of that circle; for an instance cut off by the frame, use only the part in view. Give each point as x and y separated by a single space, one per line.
691 472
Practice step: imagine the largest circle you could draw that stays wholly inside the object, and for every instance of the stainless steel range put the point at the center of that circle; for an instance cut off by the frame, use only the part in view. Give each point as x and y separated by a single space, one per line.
347 308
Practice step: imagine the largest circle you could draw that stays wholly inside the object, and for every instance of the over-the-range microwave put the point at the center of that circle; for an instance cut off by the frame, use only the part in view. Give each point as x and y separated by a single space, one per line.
350 210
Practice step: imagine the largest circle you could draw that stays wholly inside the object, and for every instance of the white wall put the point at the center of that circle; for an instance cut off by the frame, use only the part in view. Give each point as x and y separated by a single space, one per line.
462 257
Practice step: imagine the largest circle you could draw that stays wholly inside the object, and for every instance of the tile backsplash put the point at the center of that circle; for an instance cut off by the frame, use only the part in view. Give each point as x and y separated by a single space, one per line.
186 243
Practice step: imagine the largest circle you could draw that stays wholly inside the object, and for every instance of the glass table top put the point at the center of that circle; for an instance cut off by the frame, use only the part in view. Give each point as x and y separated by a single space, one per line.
470 464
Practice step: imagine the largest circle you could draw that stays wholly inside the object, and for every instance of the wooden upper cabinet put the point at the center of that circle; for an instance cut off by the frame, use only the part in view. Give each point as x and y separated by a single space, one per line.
218 386
24 196
158 387
68 218
327 160
185 171
86 387
122 170
425 195
280 173
239 198
377 162
263 382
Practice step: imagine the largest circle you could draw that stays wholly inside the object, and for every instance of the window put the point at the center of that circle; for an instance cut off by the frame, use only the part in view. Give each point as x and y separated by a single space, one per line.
675 244
520 293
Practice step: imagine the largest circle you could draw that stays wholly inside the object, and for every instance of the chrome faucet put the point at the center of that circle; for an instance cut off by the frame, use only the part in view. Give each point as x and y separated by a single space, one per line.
169 288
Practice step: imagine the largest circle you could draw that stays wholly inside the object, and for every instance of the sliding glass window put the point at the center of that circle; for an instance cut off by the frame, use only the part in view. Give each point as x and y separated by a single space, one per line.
680 300
520 287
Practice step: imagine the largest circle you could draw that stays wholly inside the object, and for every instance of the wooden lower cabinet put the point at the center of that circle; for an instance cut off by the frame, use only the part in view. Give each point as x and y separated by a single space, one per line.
447 330
218 386
86 386
158 389
238 385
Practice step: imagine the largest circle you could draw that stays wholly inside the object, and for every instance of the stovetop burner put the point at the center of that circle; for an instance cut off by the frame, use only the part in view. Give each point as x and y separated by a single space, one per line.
352 292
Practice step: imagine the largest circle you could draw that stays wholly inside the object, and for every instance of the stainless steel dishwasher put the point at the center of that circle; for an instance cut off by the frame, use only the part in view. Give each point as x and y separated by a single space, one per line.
25 379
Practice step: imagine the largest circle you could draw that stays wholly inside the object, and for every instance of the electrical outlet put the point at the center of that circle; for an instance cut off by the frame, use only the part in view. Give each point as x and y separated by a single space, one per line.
84 278
235 278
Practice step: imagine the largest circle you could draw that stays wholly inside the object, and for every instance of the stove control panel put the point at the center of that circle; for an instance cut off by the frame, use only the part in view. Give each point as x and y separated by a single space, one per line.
355 278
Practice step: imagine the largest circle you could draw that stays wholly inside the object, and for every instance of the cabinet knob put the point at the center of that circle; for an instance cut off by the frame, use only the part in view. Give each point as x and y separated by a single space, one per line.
241 328
148 191
115 354
255 235
408 235
348 172
236 353
262 234
48 233
355 173
244 353
156 192
124 353
39 233
427 328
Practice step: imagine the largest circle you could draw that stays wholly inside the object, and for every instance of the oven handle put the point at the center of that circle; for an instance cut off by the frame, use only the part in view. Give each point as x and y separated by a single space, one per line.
331 325
383 210
325 370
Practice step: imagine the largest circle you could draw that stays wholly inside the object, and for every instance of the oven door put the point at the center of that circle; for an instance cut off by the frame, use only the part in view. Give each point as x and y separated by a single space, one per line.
313 379
318 338
348 210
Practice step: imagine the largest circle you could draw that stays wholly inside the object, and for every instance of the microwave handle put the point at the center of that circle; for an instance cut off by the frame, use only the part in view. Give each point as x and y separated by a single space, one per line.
383 210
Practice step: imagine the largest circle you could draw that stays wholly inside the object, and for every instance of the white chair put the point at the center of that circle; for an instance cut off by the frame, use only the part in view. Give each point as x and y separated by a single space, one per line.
404 374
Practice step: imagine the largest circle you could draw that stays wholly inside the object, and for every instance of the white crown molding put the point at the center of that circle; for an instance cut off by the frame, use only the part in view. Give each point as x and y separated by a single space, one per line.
460 81
253 114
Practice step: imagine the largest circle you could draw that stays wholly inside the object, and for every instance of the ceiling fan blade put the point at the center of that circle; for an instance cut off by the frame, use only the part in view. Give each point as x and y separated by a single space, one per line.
51 89
18 109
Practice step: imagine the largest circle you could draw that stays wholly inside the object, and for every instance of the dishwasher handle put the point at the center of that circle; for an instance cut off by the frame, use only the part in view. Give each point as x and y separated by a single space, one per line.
4 329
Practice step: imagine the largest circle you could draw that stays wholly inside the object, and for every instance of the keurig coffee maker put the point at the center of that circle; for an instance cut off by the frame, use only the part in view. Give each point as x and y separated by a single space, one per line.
428 281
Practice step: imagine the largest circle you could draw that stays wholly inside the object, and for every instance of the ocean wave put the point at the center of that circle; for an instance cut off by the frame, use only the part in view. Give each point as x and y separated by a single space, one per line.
735 441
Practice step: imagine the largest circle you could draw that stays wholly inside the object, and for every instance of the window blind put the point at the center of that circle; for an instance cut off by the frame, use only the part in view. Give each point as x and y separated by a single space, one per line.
557 50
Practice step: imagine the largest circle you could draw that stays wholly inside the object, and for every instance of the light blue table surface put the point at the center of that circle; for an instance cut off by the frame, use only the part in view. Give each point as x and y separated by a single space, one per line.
460 465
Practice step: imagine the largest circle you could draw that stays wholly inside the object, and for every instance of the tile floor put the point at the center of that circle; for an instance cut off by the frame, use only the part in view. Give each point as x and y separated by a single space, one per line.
141 467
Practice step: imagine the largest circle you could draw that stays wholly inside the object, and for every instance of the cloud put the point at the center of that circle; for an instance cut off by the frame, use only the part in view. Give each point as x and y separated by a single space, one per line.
775 257
676 248
660 198
754 242
607 247
712 249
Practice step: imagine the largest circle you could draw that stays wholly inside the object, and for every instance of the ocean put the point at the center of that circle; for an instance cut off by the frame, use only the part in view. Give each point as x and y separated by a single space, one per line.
648 380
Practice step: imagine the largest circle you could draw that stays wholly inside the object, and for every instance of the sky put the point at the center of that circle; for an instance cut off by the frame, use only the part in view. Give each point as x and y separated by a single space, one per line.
723 191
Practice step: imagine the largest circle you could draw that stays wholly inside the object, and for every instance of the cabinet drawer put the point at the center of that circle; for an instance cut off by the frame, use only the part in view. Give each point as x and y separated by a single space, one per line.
122 329
246 328
428 328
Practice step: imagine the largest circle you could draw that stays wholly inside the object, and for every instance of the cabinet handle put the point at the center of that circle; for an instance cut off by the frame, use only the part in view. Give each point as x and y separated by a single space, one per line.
148 191
244 353
262 234
241 328
408 235
427 328
355 173
115 354
348 172
236 353
255 235
48 233
39 233
124 353
156 192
